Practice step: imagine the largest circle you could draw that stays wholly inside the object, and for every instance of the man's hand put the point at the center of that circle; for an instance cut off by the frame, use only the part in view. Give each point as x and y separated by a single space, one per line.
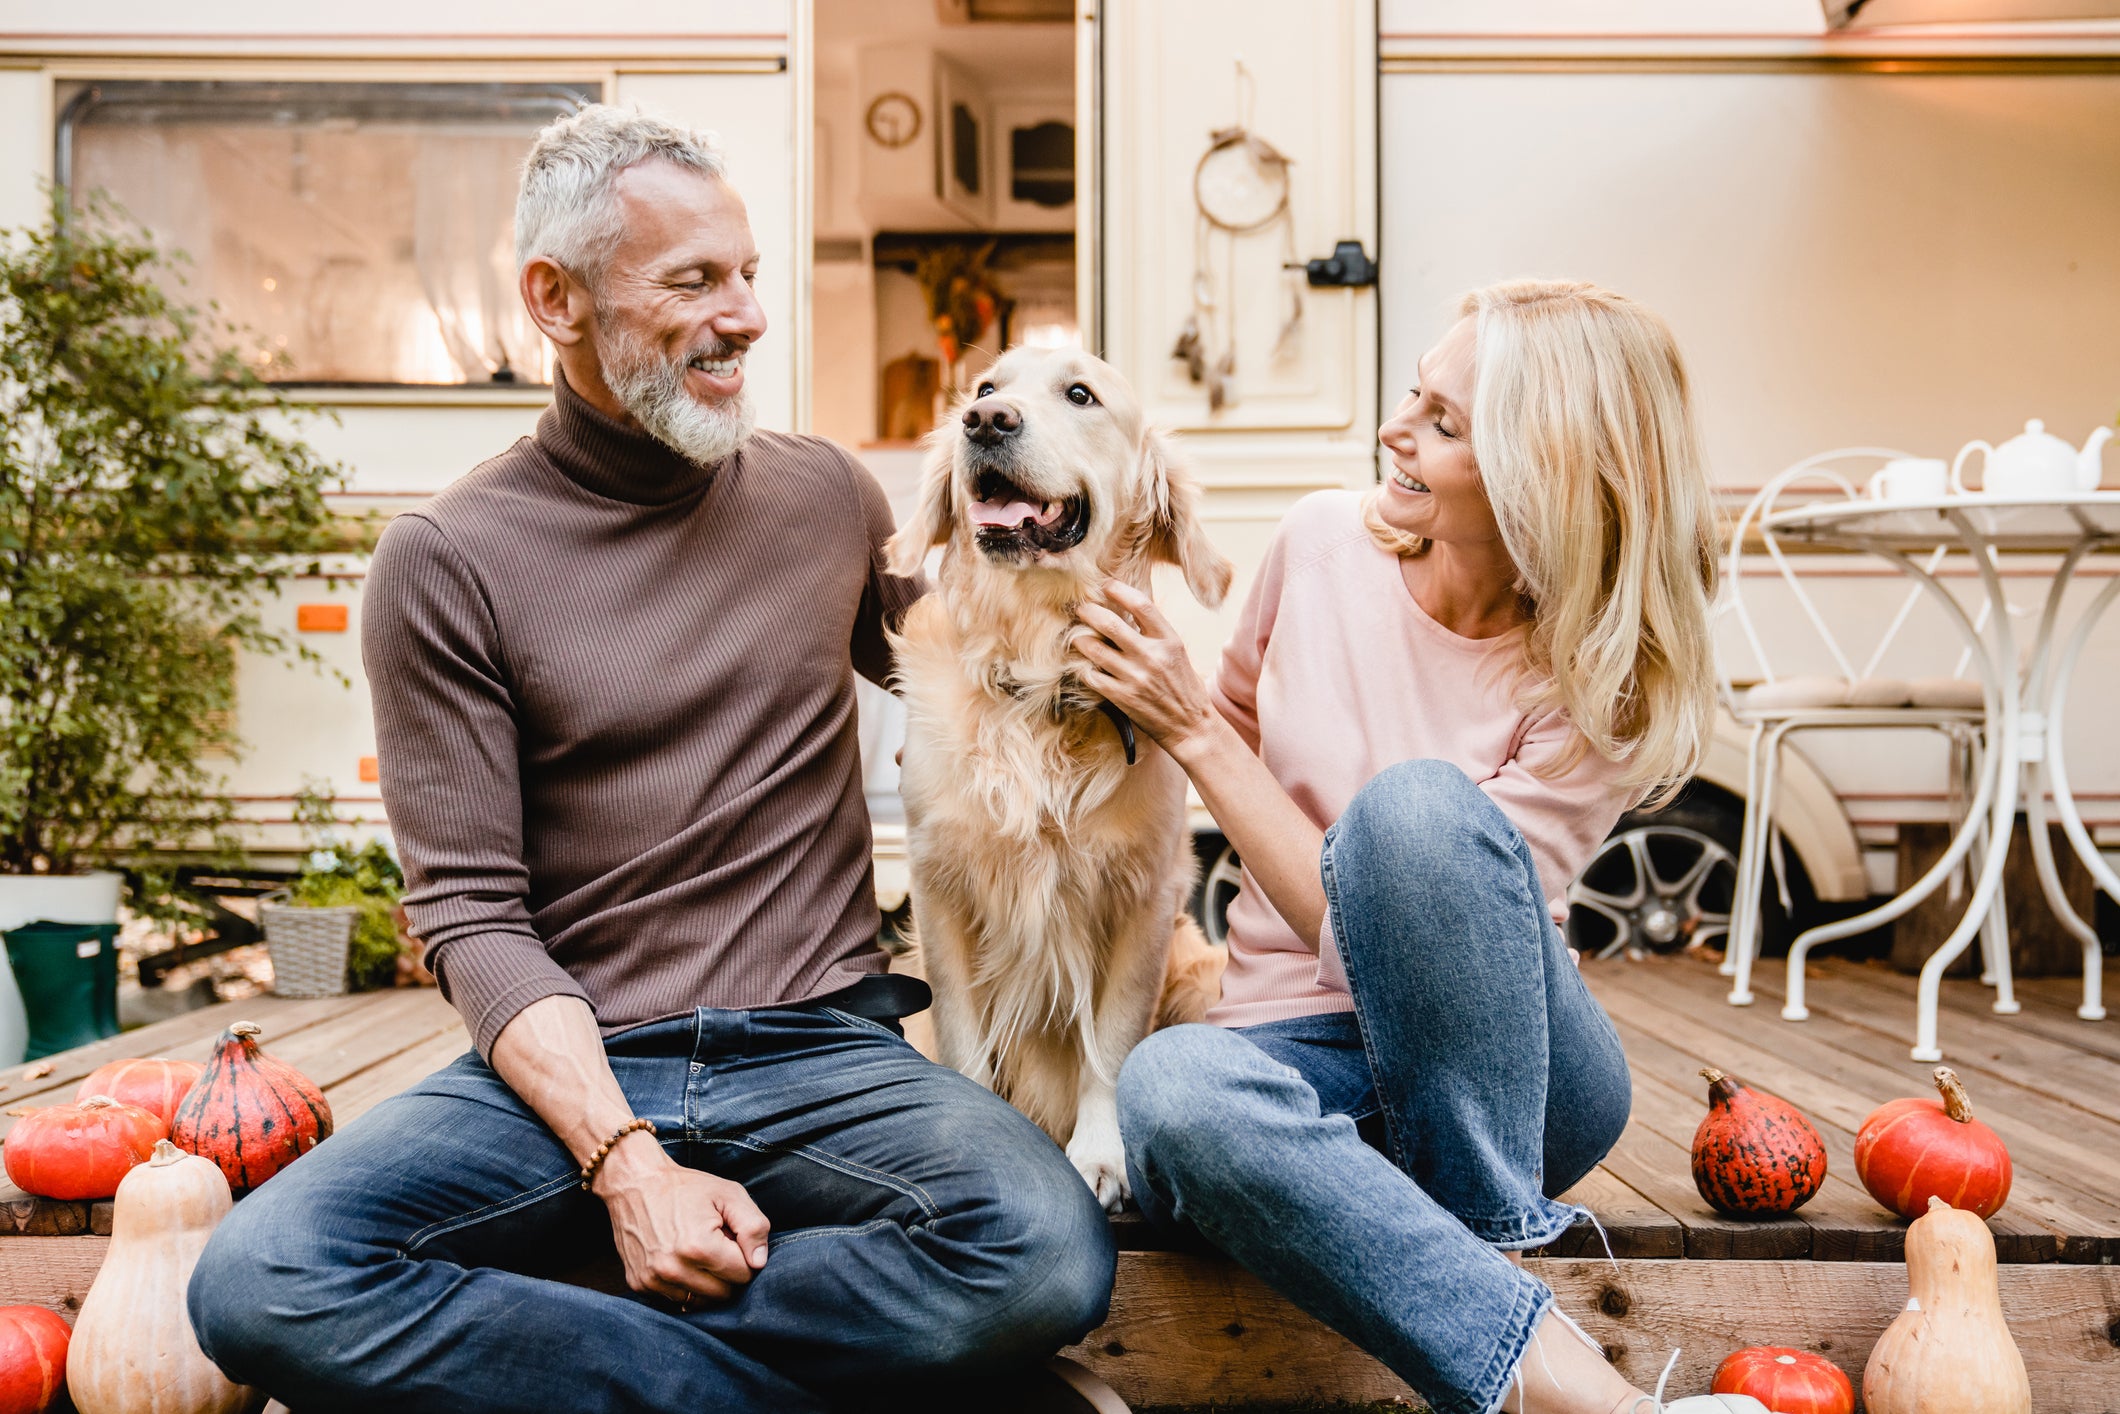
683 1235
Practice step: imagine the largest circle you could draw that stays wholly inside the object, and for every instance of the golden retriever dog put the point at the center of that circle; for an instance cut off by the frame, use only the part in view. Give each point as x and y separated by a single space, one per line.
1048 845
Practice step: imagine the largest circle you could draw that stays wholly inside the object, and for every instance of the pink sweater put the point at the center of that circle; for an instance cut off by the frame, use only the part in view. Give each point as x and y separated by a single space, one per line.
1333 674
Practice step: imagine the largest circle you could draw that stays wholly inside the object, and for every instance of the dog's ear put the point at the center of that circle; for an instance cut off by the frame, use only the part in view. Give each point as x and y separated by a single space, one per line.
1176 534
936 512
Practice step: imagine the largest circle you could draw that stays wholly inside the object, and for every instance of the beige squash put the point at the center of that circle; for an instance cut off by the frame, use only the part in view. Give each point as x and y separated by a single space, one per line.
1949 1352
133 1351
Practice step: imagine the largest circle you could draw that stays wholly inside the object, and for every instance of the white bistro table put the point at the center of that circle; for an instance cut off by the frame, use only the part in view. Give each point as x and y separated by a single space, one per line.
2024 761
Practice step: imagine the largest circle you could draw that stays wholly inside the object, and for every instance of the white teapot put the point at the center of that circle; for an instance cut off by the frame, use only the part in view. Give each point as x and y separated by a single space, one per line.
2034 463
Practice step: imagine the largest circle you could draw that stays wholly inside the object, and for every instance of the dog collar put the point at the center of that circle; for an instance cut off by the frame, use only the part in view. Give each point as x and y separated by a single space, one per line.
1124 723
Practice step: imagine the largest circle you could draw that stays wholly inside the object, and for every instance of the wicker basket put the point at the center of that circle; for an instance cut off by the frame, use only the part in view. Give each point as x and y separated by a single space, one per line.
309 947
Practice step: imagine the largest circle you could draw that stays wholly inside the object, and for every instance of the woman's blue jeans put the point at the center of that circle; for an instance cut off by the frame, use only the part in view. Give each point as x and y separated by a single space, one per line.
922 1231
1497 1080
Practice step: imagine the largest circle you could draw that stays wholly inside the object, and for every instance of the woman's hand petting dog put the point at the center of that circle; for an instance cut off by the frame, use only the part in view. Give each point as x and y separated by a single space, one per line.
1137 662
1139 665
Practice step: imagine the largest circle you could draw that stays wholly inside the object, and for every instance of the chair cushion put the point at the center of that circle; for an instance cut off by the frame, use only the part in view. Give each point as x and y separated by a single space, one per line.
1961 693
1880 692
1796 694
1810 693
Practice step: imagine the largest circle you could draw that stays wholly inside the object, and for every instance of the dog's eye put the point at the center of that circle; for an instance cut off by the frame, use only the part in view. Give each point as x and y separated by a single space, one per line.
986 390
1080 396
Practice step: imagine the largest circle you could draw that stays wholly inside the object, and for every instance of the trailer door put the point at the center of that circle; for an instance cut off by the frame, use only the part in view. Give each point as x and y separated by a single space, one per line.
1298 413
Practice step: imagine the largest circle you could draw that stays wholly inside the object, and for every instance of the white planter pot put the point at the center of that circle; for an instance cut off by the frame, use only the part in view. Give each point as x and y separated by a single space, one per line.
32 898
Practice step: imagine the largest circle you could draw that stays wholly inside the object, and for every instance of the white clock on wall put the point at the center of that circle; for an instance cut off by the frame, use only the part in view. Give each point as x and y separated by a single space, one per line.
894 119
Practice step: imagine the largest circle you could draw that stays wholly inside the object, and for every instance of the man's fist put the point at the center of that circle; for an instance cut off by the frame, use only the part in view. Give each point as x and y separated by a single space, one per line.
683 1235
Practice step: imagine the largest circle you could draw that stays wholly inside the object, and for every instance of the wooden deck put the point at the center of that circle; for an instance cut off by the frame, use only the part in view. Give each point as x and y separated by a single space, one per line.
1187 1326
2047 1082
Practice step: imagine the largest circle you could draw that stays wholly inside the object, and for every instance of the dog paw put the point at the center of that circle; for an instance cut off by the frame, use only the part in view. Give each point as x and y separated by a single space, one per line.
1104 1170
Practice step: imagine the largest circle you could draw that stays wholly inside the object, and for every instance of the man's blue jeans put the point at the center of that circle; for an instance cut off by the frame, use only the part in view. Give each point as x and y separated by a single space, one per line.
922 1229
1497 1079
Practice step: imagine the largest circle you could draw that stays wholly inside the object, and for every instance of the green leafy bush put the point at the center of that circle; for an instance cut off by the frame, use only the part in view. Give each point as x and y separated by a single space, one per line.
149 496
368 879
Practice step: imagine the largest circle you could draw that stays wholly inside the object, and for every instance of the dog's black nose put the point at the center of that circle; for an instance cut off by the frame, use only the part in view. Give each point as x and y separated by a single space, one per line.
989 422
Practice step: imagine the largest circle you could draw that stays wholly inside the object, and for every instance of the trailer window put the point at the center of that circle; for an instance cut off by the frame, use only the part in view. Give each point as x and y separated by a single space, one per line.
356 234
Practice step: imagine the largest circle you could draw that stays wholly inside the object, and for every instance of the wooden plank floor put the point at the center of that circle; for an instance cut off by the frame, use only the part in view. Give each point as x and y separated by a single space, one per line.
360 1048
1827 1280
1186 1326
2047 1082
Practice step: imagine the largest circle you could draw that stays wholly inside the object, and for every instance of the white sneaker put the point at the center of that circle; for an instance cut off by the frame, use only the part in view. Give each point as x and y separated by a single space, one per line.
1695 1403
1691 1404
1094 1396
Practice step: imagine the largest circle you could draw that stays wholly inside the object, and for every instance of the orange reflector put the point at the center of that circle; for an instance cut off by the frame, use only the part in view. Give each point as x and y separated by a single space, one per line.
320 618
371 769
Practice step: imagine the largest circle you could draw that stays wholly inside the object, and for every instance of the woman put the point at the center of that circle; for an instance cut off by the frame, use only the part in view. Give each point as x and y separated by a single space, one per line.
1466 675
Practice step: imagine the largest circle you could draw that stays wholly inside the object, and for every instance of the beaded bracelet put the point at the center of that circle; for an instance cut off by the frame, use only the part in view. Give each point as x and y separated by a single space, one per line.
603 1151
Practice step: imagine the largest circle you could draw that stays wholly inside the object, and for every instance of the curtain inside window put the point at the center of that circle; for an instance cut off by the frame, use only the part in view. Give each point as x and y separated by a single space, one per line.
463 247
342 251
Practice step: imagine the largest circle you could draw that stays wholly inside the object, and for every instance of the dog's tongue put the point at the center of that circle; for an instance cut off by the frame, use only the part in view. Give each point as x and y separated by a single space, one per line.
1013 513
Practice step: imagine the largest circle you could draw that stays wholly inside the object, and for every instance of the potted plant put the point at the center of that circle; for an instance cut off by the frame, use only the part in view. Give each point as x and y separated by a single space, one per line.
334 929
149 496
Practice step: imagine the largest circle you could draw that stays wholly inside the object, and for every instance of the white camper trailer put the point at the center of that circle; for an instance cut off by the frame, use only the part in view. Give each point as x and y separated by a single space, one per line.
1905 235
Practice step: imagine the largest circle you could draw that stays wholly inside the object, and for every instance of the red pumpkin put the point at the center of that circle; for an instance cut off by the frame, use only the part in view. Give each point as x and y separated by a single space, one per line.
80 1150
154 1084
1787 1381
1754 1154
32 1359
1911 1150
249 1113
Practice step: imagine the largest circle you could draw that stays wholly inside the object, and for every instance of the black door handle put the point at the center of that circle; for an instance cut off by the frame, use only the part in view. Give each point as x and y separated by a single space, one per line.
1348 267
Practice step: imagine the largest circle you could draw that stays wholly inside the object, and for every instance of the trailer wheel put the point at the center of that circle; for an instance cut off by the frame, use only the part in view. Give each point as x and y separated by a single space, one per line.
1661 882
1221 874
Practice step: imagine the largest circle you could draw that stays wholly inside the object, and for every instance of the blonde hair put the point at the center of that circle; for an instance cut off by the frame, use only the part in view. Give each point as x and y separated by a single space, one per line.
1583 430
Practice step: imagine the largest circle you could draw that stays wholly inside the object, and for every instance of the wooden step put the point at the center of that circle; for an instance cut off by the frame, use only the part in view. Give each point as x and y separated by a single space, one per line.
1187 1328
1184 1329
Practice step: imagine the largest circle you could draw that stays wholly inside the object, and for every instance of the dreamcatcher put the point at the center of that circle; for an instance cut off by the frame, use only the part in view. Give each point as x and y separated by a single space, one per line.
1240 188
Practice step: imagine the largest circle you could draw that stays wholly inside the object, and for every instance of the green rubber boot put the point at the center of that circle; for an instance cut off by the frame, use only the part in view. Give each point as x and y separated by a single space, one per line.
68 973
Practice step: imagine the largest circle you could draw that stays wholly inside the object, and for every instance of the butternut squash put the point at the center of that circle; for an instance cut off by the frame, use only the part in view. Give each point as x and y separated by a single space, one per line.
133 1351
1949 1352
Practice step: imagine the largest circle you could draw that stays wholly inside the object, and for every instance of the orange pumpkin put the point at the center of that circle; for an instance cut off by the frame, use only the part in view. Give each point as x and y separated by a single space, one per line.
154 1084
80 1150
1787 1381
32 1359
249 1113
1909 1151
1753 1153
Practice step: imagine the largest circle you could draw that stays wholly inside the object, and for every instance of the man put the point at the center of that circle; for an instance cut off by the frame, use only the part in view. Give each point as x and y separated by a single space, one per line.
613 679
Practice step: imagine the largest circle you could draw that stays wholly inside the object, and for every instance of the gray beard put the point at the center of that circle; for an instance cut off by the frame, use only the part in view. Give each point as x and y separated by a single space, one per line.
651 387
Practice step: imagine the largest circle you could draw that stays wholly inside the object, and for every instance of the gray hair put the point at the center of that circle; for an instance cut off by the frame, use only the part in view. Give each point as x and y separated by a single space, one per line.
565 210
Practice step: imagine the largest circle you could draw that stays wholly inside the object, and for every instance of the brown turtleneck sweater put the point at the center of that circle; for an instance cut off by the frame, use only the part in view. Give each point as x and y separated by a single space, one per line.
614 702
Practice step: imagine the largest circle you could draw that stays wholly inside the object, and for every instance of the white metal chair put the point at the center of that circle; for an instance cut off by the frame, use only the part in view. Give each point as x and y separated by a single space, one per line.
1778 707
